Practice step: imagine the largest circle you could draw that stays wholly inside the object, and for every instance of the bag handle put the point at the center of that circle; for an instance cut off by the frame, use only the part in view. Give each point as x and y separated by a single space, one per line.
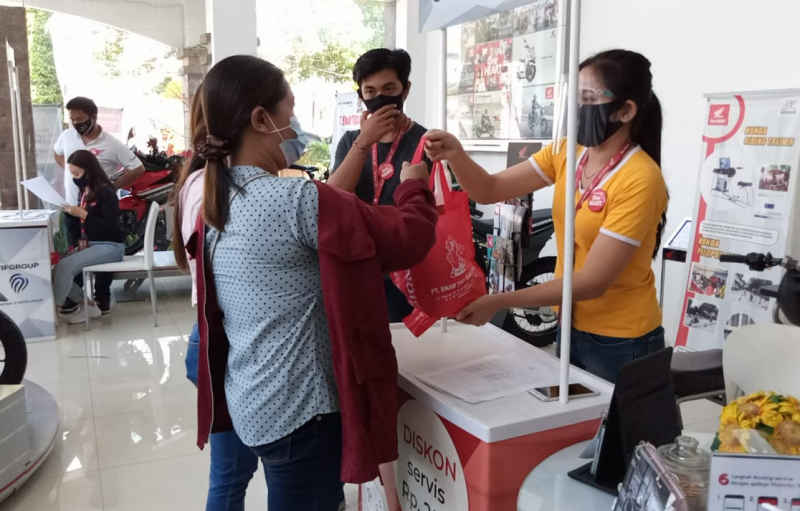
437 170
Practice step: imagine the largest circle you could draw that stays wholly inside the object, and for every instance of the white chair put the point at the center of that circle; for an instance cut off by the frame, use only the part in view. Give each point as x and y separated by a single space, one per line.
763 356
146 264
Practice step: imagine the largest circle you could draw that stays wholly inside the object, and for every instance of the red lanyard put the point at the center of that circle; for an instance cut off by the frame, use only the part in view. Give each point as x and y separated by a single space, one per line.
84 241
612 163
383 172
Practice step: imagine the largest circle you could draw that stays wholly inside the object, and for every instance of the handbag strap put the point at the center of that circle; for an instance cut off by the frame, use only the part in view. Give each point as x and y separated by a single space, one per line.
437 172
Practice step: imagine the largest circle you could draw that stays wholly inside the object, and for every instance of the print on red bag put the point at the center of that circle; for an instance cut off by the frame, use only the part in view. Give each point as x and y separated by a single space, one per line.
457 290
455 256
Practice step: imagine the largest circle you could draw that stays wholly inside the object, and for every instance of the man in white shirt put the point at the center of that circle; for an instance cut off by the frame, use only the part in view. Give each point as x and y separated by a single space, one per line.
85 133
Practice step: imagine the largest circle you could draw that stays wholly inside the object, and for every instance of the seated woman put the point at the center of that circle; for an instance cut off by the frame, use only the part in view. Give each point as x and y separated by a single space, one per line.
99 239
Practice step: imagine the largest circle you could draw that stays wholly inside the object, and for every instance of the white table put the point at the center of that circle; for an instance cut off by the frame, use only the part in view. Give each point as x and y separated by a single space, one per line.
26 292
500 419
548 487
493 445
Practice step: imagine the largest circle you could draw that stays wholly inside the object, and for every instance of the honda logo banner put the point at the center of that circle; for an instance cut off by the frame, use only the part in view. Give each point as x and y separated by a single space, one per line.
26 293
746 201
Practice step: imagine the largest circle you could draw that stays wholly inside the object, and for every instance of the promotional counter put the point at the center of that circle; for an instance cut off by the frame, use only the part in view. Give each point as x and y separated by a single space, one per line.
26 292
458 456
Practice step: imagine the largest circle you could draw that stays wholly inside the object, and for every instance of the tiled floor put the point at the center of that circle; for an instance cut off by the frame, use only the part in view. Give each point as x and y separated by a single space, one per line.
127 439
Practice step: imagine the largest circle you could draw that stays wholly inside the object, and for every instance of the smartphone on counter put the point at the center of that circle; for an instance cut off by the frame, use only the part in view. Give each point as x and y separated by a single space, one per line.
551 393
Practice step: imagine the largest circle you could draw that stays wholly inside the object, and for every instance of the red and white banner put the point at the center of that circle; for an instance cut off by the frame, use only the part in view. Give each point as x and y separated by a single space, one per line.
347 117
748 192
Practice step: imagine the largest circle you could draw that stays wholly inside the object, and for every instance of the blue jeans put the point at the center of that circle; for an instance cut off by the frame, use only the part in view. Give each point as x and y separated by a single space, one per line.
232 463
302 468
98 252
605 356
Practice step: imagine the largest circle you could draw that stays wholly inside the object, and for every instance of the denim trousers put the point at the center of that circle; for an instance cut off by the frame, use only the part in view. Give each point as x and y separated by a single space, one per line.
605 356
232 463
98 252
302 469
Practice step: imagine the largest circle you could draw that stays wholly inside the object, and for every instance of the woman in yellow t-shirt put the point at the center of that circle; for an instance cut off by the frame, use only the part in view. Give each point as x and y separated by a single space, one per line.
621 202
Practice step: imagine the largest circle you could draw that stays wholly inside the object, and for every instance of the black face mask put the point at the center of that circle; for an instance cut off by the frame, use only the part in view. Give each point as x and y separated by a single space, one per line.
83 127
380 101
595 125
80 182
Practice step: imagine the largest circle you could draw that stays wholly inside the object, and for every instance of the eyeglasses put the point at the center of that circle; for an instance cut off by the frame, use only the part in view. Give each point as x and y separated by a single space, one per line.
589 96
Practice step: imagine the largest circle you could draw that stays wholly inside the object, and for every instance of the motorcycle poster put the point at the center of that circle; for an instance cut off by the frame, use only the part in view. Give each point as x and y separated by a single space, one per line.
501 74
747 199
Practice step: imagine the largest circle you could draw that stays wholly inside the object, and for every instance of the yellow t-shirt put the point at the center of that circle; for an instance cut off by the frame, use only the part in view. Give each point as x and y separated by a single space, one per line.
636 199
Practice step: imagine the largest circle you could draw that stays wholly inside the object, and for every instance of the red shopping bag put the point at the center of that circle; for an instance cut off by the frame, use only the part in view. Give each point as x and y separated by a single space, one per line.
448 279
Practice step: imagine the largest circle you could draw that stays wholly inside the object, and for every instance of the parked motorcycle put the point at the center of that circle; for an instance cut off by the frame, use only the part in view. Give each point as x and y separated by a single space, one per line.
786 293
13 352
535 325
155 185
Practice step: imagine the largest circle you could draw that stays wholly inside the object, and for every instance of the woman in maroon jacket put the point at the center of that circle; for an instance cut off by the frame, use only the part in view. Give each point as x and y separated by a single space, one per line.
295 349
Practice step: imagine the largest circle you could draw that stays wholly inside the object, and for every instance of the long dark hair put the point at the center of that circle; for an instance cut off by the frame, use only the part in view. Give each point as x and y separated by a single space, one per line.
96 177
627 75
231 90
198 126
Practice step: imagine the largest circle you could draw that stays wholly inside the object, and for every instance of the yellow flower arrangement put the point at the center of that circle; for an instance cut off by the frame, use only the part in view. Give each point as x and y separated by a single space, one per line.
773 416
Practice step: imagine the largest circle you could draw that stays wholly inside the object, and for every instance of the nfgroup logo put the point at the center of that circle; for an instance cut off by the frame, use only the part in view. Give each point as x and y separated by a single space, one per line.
18 282
719 115
19 266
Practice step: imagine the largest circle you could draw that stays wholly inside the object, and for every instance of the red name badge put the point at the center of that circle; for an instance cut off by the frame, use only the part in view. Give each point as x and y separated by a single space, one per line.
386 171
597 201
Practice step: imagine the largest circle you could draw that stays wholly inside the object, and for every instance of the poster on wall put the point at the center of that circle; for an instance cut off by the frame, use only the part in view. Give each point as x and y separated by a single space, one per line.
748 193
502 74
347 117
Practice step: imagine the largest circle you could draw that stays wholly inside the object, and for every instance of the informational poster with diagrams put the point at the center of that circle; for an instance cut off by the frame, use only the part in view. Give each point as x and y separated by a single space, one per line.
747 199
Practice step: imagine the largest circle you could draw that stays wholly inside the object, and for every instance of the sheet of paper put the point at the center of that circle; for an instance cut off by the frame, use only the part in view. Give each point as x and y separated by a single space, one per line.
490 377
42 189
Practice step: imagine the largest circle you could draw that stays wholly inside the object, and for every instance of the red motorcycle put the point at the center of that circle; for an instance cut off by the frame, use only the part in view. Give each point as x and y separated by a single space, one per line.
155 185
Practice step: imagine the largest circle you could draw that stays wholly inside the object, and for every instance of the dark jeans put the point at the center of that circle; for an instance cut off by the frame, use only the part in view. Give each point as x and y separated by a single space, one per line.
605 356
302 468
232 463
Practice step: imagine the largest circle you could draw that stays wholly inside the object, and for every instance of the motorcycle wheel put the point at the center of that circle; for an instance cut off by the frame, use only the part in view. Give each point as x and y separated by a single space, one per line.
13 352
530 72
536 326
132 231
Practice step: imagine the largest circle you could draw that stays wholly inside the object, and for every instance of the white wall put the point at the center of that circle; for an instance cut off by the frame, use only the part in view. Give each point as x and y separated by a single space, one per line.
695 46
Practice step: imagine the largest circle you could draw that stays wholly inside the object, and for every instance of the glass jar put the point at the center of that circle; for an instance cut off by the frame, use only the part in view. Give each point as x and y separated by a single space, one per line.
692 466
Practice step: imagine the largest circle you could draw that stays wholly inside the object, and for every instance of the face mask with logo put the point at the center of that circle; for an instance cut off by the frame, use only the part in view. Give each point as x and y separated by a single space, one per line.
595 125
380 101
83 127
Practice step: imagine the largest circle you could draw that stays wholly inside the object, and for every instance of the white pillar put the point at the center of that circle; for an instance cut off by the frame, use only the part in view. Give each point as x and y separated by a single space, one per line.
232 25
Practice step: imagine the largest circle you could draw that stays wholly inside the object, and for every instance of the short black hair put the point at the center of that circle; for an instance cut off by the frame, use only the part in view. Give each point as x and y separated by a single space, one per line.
83 104
375 61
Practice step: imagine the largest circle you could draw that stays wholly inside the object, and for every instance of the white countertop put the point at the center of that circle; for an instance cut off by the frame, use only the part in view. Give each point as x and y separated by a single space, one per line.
500 419
30 218
548 487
